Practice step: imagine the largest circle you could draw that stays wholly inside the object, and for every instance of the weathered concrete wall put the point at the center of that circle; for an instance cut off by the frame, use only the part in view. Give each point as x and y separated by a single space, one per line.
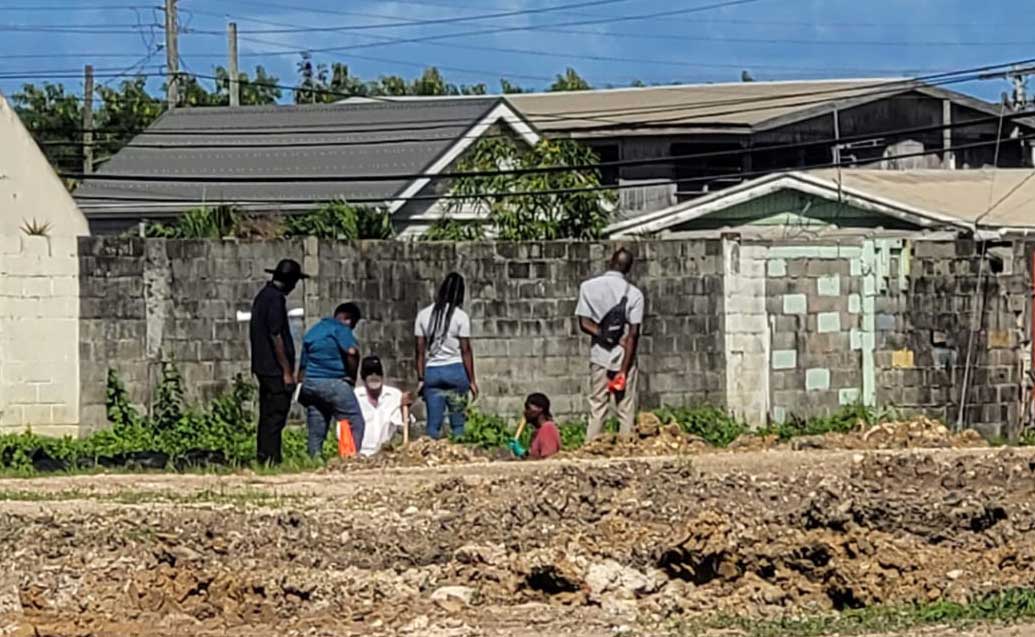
154 300
947 301
771 330
39 309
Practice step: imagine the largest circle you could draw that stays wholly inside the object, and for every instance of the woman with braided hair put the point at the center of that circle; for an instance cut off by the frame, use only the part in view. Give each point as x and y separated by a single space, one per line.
445 362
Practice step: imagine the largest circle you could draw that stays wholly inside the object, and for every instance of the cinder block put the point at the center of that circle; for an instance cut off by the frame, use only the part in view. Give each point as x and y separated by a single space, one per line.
854 304
855 337
886 322
817 379
785 359
795 304
829 285
902 358
827 322
776 267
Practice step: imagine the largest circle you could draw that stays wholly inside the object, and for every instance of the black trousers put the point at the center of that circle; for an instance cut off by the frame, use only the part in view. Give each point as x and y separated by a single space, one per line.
274 404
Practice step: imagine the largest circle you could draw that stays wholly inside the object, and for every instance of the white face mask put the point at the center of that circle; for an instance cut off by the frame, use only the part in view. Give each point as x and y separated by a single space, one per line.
373 385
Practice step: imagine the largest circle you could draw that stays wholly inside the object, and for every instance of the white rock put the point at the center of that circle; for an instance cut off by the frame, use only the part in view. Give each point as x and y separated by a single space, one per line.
954 575
612 577
461 593
411 510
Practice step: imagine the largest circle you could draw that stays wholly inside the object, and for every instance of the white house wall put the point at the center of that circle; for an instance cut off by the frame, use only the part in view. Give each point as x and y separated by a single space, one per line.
39 289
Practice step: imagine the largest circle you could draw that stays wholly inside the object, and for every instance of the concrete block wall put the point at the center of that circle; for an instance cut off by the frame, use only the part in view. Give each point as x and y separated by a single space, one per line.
813 297
944 299
145 301
39 334
769 329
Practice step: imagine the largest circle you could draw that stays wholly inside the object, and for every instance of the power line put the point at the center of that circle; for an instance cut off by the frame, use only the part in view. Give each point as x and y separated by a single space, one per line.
608 20
455 69
504 194
237 179
426 123
854 92
738 152
458 19
454 7
73 7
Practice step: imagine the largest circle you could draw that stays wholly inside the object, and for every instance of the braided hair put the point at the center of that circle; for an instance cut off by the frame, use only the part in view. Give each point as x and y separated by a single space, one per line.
450 296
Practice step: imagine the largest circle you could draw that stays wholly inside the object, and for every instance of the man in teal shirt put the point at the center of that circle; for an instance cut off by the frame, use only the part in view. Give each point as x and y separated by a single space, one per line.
329 367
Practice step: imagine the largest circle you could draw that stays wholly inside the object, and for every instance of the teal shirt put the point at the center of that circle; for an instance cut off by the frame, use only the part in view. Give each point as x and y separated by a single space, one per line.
324 348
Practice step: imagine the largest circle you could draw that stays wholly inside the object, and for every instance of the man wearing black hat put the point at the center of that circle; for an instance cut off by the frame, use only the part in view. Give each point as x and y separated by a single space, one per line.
273 357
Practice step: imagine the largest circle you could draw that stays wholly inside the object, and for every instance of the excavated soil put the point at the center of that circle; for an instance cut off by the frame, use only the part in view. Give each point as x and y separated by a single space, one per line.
564 547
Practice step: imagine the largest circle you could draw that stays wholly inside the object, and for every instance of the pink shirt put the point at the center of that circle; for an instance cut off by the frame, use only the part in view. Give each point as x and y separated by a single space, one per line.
547 441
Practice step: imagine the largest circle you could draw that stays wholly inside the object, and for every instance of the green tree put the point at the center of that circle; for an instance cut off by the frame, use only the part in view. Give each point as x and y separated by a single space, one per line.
570 81
506 87
260 91
54 119
124 112
430 82
566 204
312 80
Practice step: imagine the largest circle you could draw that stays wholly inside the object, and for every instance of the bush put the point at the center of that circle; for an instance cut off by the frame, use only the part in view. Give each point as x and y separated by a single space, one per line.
845 420
710 423
176 435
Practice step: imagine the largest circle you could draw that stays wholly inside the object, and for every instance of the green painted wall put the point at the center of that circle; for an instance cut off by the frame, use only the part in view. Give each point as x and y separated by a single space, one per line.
794 209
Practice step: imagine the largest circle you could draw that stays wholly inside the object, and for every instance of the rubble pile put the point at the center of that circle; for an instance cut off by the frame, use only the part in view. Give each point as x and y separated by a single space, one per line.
584 545
918 433
650 438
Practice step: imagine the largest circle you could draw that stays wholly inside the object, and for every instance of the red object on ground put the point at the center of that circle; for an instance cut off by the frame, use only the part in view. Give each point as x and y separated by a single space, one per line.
547 441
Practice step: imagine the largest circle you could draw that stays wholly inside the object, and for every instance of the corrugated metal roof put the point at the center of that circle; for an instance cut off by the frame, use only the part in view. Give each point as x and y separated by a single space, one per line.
743 104
1003 197
429 128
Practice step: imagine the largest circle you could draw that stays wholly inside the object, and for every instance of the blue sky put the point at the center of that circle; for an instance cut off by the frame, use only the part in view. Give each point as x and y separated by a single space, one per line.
774 39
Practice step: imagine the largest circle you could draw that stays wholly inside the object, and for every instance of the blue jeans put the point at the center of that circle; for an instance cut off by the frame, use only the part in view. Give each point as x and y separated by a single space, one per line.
446 387
327 401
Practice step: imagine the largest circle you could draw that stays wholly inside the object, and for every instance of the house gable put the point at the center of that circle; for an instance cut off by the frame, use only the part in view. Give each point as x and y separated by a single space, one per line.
765 200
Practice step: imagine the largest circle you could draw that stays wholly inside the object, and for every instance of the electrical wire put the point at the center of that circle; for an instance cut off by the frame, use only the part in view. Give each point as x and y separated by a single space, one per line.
623 163
238 179
545 192
881 89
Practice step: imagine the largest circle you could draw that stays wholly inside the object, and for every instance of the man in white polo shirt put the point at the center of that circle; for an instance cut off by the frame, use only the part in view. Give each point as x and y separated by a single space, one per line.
382 406
610 311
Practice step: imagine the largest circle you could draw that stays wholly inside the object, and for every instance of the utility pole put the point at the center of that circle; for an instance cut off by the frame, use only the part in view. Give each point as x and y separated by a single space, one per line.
235 85
172 55
88 119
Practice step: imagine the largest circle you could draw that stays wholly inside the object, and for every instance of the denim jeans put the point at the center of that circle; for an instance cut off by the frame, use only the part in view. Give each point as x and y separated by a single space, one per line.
327 401
446 387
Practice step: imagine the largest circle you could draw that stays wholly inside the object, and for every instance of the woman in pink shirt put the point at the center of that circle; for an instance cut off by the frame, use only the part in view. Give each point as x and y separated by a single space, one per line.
547 439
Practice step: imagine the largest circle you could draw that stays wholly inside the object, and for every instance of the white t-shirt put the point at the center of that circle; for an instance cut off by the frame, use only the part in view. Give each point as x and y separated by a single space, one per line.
382 420
596 298
446 349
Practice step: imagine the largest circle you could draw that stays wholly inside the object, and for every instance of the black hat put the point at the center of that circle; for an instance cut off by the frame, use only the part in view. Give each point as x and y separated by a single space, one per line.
288 269
371 366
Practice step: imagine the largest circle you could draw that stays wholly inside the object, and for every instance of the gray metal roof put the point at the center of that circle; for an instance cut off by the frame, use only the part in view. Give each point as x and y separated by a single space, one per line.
374 138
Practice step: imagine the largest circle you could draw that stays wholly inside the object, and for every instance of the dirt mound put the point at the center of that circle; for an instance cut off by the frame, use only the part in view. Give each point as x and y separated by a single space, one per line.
423 452
919 433
591 545
650 438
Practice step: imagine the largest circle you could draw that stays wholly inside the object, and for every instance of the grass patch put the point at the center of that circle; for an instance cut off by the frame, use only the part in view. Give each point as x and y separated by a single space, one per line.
1010 605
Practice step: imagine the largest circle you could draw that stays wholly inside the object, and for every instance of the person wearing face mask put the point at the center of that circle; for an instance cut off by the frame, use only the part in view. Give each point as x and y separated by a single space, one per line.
273 357
382 406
